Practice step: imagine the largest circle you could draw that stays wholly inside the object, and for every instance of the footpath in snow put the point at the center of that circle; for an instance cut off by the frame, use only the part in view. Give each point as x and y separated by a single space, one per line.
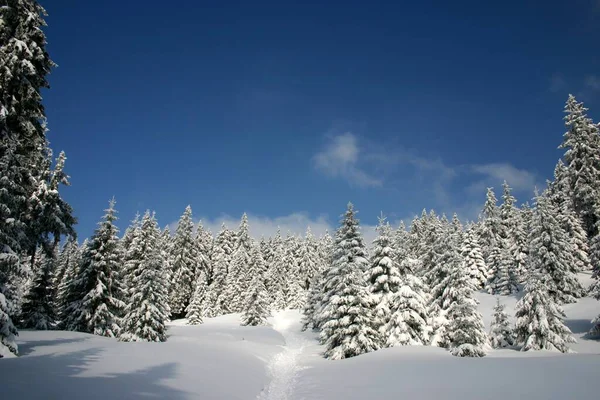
284 367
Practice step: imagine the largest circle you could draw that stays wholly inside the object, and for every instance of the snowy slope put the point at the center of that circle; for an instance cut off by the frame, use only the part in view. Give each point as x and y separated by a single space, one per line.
222 360
217 360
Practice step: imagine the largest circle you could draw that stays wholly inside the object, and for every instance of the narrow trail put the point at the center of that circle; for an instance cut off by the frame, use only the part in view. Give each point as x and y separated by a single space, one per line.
283 368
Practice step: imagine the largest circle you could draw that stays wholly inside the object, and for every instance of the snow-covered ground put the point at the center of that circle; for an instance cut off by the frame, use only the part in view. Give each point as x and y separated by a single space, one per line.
222 360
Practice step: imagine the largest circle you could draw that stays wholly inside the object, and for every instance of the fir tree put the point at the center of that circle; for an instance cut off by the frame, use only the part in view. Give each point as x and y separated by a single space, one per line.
195 311
472 259
39 308
204 246
582 144
24 151
490 231
346 310
308 260
313 302
69 261
383 276
237 278
539 319
256 304
463 331
148 307
100 308
184 259
221 259
408 322
551 253
501 332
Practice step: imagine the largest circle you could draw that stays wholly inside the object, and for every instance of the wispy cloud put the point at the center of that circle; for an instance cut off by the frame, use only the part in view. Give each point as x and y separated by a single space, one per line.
557 83
592 82
452 188
494 174
341 159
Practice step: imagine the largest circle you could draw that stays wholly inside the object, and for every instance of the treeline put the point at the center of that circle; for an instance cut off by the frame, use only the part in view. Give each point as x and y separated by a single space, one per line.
416 287
130 287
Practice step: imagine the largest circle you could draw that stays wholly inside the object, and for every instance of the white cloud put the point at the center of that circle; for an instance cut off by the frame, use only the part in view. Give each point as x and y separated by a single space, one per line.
494 174
341 158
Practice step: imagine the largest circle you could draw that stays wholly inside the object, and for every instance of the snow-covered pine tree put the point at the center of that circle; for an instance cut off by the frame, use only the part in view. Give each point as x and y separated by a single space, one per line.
501 332
408 322
237 279
560 195
204 246
166 251
325 250
383 276
39 307
255 309
295 295
69 261
539 319
490 230
582 144
24 150
503 278
551 253
464 333
308 260
148 307
458 325
100 309
472 259
221 258
313 302
184 260
594 290
346 311
196 310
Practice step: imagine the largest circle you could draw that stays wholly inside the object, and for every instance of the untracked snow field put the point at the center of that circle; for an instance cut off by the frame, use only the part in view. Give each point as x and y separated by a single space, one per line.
222 360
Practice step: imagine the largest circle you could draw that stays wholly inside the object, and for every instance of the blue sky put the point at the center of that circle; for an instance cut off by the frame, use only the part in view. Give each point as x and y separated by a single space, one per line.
288 110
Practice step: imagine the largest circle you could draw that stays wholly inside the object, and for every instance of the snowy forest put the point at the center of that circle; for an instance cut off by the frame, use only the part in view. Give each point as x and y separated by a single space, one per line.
413 286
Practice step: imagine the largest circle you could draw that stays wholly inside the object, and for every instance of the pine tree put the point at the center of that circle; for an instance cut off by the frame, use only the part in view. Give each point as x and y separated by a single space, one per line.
408 322
551 253
148 308
277 278
308 260
184 259
39 308
490 232
195 311
463 330
501 332
383 276
256 304
347 310
582 144
503 278
221 259
313 302
237 278
539 319
204 246
69 261
472 259
24 150
560 195
100 308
